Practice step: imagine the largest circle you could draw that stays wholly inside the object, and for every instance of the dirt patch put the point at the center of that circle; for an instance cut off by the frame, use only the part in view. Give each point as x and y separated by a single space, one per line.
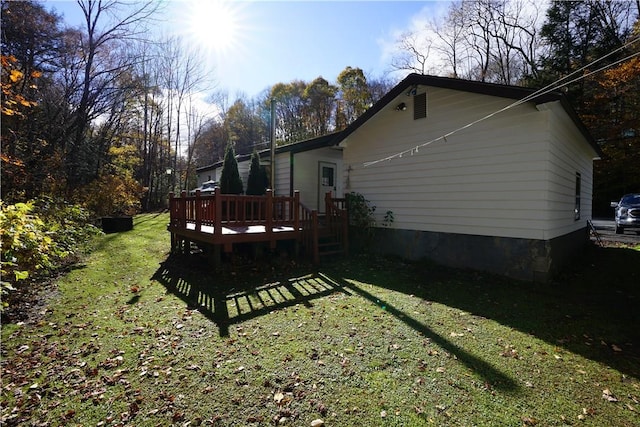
29 302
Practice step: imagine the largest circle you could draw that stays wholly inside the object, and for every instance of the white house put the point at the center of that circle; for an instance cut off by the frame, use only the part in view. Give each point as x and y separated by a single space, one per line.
312 167
474 178
477 175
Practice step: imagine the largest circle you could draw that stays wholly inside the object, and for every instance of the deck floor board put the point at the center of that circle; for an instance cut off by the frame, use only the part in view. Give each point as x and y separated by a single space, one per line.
251 229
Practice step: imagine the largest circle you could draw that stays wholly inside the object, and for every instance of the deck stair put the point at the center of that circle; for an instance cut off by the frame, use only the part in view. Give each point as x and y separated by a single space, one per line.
325 234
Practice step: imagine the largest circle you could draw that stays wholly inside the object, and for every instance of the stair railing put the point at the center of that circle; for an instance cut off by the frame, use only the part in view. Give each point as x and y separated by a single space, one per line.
337 218
309 235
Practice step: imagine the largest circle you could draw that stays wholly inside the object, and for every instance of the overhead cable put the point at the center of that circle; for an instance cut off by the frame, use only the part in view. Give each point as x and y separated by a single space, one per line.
540 92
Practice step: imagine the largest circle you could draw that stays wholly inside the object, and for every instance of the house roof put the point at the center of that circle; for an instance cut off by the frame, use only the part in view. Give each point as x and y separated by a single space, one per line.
493 89
296 147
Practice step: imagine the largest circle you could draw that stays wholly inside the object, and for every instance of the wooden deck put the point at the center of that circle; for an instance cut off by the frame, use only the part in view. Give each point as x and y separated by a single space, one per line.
219 221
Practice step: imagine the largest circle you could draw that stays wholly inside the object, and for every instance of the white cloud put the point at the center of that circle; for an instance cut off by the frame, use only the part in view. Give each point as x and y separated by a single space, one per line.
418 24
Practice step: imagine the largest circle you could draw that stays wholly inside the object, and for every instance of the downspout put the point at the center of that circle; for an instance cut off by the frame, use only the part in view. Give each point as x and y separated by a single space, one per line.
291 183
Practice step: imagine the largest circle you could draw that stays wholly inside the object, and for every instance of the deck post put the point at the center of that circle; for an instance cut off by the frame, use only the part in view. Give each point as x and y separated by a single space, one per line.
269 224
183 208
296 211
186 243
217 218
327 204
315 237
198 207
344 214
172 218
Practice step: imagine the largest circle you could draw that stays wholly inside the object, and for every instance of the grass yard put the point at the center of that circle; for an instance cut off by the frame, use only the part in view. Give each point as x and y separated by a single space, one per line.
132 337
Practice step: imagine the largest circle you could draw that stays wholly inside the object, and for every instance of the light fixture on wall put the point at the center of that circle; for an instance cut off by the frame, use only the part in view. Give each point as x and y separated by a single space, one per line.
401 107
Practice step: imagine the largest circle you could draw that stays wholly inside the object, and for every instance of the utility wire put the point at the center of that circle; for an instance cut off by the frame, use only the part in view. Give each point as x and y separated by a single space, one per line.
547 89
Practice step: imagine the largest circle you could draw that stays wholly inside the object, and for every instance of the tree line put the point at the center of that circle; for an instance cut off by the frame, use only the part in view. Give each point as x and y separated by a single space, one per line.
104 116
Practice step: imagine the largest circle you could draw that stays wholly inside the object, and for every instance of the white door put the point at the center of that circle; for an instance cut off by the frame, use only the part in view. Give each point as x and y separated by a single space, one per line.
327 174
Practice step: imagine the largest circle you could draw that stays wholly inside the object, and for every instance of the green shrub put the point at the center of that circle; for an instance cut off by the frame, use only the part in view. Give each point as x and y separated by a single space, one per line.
39 237
258 182
230 181
360 211
361 220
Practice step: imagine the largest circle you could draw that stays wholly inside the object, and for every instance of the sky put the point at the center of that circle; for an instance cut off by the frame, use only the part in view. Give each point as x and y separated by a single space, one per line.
251 45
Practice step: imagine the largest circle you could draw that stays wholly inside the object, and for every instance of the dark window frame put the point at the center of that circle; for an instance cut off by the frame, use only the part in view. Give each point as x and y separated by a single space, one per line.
577 207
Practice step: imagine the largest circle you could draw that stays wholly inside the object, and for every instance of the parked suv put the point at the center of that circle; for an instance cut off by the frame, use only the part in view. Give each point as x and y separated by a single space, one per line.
207 187
627 212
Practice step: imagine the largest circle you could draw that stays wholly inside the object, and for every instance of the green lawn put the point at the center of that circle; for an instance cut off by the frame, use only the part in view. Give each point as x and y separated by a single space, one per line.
134 337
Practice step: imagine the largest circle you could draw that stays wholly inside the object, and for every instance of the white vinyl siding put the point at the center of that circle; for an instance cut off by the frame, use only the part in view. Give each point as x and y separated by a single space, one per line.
243 169
569 154
489 179
283 177
305 171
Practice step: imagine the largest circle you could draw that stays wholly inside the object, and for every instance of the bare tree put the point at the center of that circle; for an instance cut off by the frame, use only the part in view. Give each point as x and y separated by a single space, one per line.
183 75
102 65
414 52
486 40
450 34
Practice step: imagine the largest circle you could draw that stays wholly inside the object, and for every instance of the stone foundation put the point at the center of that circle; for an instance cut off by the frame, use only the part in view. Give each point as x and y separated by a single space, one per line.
523 259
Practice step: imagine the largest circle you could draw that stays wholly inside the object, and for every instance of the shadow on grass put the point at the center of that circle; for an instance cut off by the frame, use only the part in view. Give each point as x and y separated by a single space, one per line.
229 299
592 310
226 300
491 375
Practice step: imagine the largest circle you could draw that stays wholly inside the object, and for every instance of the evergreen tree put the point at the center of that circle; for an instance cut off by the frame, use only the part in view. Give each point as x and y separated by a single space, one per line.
257 182
230 181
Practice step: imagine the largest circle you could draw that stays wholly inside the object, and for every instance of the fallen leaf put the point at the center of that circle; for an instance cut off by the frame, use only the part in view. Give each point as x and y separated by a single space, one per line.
278 397
615 347
317 423
608 395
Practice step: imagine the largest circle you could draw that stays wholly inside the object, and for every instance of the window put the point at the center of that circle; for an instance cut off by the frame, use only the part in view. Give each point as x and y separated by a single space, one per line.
578 189
327 176
420 106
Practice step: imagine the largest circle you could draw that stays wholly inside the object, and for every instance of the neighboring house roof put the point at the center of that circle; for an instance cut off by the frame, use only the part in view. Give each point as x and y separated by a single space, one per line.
296 147
493 89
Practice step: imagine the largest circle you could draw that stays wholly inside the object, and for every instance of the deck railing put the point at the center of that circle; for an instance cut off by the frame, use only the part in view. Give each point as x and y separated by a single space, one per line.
224 219
230 210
